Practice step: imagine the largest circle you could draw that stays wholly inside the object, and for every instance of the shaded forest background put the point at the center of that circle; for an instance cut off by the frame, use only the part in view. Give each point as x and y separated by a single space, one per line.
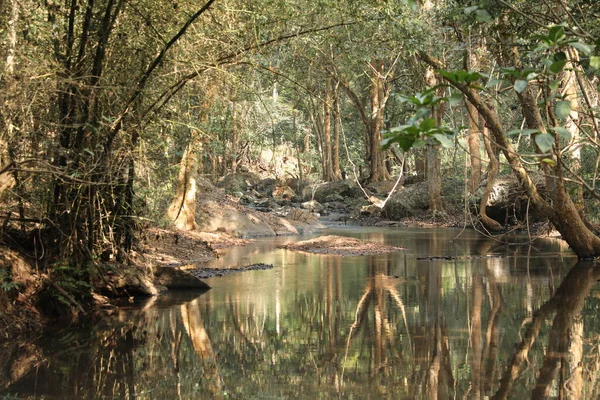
112 109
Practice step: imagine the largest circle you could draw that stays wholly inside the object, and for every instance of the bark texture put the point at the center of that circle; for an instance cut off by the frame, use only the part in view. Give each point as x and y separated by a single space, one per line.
182 210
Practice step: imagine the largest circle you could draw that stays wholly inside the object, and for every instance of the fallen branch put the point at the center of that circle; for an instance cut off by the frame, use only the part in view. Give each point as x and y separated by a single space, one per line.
63 292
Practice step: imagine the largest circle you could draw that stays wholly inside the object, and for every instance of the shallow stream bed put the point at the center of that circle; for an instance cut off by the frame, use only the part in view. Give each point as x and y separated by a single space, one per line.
452 316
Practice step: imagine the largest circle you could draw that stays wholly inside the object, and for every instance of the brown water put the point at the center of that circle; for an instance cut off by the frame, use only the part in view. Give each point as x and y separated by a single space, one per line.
478 318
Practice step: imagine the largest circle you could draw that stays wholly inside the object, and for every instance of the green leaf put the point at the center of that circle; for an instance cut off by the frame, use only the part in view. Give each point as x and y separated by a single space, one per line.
461 75
469 10
452 77
556 34
583 47
482 16
520 85
445 140
427 124
529 73
522 132
595 62
562 109
557 66
553 85
561 55
563 133
472 77
549 161
422 112
544 141
406 142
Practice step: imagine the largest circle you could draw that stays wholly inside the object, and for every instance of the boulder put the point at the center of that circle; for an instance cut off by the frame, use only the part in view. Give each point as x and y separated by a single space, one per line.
265 185
283 192
123 280
238 182
238 223
405 201
312 206
336 206
334 198
382 187
371 210
176 278
320 192
411 179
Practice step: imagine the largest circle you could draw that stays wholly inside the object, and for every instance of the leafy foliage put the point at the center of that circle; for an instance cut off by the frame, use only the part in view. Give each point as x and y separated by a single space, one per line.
420 129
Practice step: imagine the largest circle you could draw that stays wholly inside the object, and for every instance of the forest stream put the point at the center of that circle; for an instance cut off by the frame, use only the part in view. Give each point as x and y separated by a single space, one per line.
455 315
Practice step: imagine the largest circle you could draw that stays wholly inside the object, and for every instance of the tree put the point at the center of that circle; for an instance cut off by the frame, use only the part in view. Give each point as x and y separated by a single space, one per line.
549 137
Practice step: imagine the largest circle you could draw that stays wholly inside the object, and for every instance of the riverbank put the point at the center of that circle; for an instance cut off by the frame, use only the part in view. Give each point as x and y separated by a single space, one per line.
32 299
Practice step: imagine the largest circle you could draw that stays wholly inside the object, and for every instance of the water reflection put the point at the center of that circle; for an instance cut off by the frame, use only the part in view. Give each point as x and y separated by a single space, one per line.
482 319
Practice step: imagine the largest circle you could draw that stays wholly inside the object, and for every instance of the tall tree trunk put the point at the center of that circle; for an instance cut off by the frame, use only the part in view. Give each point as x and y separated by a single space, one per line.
376 157
298 147
434 182
182 210
568 81
326 139
434 167
474 149
235 136
420 157
472 64
8 180
337 128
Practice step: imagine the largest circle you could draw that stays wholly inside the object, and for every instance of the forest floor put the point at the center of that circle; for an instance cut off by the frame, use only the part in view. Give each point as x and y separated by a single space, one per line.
172 247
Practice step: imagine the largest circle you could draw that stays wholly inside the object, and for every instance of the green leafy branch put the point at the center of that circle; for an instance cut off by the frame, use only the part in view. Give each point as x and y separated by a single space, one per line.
420 129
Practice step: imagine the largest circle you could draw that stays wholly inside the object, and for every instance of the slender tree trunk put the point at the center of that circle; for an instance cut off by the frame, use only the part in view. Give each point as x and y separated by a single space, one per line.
234 137
182 210
474 149
9 67
568 81
8 180
420 156
472 64
434 167
434 182
376 157
337 128
326 139
298 147
488 222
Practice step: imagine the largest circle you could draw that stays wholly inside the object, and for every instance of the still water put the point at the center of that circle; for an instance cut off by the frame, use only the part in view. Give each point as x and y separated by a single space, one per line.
452 316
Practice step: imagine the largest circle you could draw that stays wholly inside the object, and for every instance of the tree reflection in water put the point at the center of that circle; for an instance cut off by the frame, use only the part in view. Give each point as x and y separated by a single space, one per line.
388 326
